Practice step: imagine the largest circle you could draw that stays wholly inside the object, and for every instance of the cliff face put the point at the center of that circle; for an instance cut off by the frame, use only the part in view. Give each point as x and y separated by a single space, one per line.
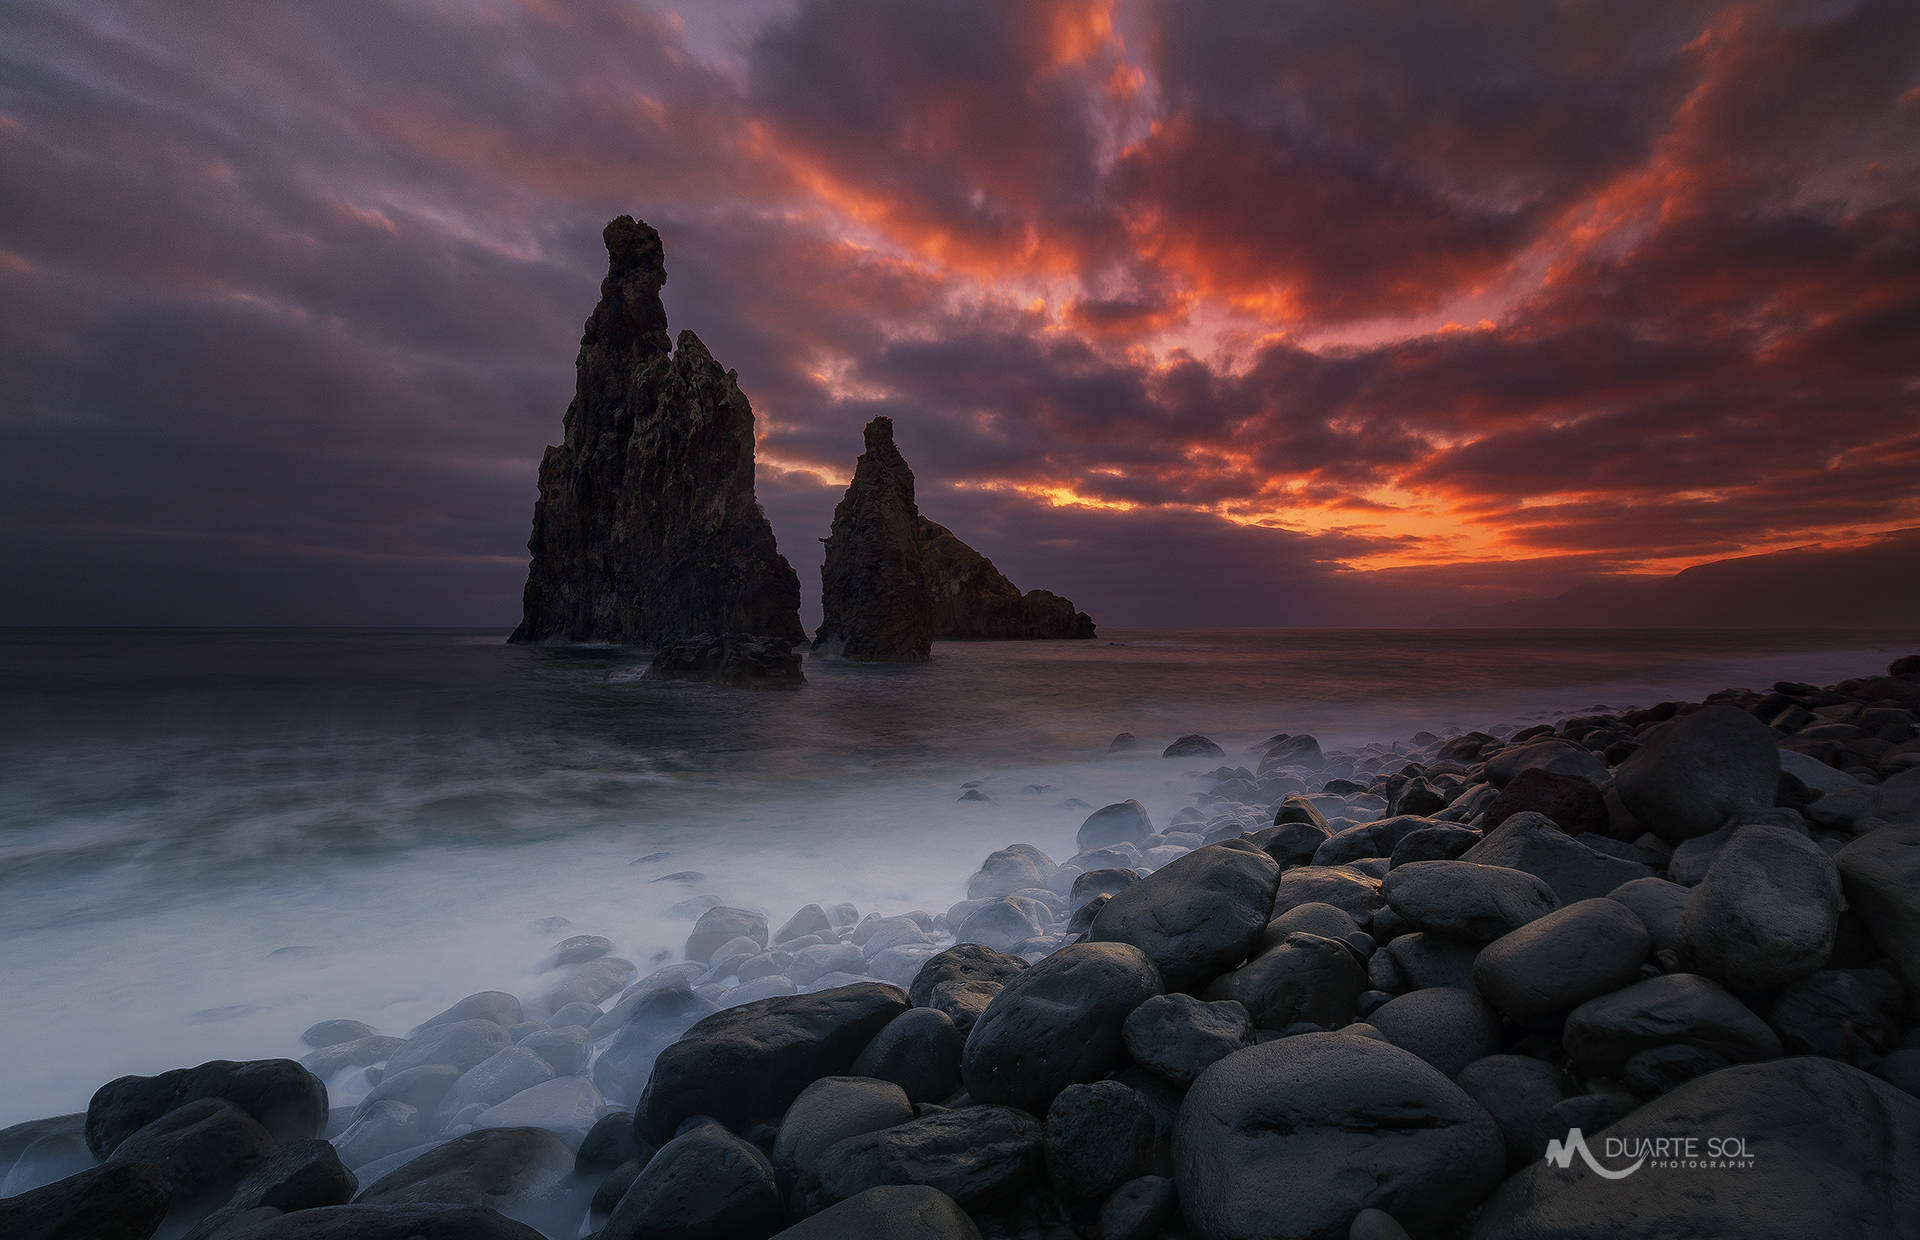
875 602
973 600
646 529
894 581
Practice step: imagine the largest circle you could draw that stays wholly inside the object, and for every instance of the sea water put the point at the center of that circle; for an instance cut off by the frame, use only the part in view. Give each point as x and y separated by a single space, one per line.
212 839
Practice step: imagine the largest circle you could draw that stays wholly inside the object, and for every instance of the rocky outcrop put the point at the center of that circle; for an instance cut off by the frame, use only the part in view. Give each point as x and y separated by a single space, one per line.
894 580
646 530
733 659
875 601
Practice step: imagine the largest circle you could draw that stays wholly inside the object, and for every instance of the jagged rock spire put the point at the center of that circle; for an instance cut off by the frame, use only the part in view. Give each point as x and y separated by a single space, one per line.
875 602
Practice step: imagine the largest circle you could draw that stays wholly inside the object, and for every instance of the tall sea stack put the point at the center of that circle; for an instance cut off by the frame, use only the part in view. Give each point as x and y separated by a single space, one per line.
646 530
875 602
894 581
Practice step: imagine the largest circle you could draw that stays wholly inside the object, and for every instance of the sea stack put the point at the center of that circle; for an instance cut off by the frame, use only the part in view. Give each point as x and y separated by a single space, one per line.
646 530
894 580
876 605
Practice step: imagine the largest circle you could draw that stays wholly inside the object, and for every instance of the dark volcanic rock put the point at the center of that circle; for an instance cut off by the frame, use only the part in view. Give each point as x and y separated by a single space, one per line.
730 659
201 1146
415 1222
964 962
919 1051
975 1155
646 530
120 1201
1766 914
876 601
973 601
1179 1037
280 1095
1098 1136
1832 1151
1574 803
1675 1009
498 1167
1448 1028
1700 772
1293 1137
1516 1090
745 1065
1125 822
1467 899
829 1111
705 1184
1553 965
1057 1024
1304 977
1197 916
299 1175
890 1212
1532 842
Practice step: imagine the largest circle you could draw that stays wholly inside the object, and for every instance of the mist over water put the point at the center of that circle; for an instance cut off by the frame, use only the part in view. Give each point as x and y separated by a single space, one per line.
211 839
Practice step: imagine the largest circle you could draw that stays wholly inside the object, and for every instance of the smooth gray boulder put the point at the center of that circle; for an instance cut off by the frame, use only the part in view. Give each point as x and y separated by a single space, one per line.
1699 772
1516 1090
567 1106
202 1148
976 1155
1423 959
720 925
1531 842
1290 1139
1370 839
1551 754
1125 822
280 1095
1322 919
1448 1028
1057 1024
1658 904
1548 967
811 919
1766 913
1009 870
1095 883
1841 1014
829 1111
705 1184
1880 873
655 1020
1098 1136
1465 899
495 1079
1827 1144
1677 1008
1178 1036
120 1199
1196 917
462 1043
500 1167
1302 978
963 962
919 1051
1139 1209
1353 893
889 1212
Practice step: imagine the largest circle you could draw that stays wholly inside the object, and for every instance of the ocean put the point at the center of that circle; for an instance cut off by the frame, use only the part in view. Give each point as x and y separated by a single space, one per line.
211 839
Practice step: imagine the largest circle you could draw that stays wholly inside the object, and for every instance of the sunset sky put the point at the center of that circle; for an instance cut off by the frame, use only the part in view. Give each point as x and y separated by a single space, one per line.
1321 312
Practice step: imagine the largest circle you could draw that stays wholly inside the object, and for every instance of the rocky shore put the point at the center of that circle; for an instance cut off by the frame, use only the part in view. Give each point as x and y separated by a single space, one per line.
1644 972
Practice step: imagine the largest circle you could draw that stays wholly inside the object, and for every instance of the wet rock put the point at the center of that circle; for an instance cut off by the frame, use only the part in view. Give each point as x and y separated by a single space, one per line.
810 964
721 925
1292 843
577 950
1675 1009
380 1128
359 1053
202 1148
1448 1028
500 1167
121 1199
1823 1136
1302 750
1008 870
1098 1136
422 1088
1370 839
1901 1069
1178 1036
1766 914
464 1044
495 1079
1880 872
829 1111
1139 1209
1697 773
1194 746
976 1156
333 1032
900 965
1302 978
1658 904
1531 842
1106 882
566 1106
655 475
1554 756
52 1157
608 1144
964 962
412 1222
1267 1140
1421 960
705 1184
1125 822
1517 1091
1000 924
739 660
1323 920
1573 802
300 1175
563 1050
1544 969
494 1005
1842 1014
1467 899
278 1094
1436 843
746 1065
1057 1024
1195 918
591 982
919 1051
1350 891
890 1212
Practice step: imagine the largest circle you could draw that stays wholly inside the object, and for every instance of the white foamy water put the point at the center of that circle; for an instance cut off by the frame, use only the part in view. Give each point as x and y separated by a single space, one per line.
179 808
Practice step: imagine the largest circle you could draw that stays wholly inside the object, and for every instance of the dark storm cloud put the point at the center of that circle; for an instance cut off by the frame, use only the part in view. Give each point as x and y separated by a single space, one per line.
1154 291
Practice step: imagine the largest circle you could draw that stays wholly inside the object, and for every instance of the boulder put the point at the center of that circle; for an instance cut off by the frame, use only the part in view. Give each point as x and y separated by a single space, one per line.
121 1199
720 925
1880 873
1178 1037
333 1032
1194 746
658 1020
1531 842
739 660
976 1155
1573 802
567 1106
1302 750
890 1212
499 1167
964 962
1517 1090
1196 917
1658 904
53 1157
1353 893
1547 754
381 1128
963 1003
495 1079
1766 913
1123 823
1421 960
1139 1209
646 529
1370 839
359 1053
1098 1136
202 1148
1106 882
1819 1139
494 1005
1000 924
1322 919
829 1111
463 1044
1545 969
405 1222
1057 1024
1699 772
1677 1008
705 1184
1292 1138
564 1050
919 1051
1008 870
1302 978
1292 842
591 981
279 1094
609 1144
1448 1028
1842 1014
746 1065
299 1175
1467 899
1436 843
